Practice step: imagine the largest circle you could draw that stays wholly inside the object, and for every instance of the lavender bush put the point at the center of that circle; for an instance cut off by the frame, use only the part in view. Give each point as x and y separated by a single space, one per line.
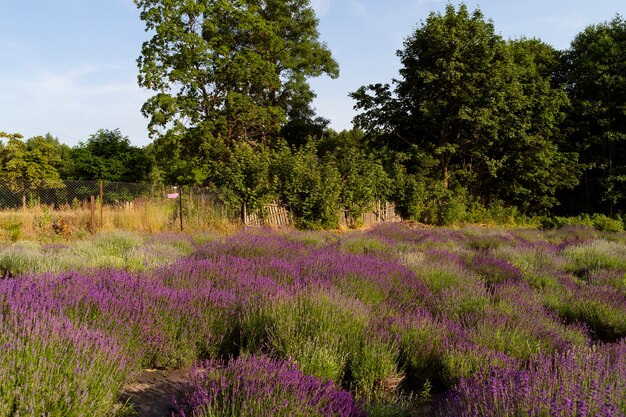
257 386
577 383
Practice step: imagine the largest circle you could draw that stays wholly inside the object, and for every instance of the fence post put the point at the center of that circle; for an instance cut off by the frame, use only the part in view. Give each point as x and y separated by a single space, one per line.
180 206
101 203
93 215
244 213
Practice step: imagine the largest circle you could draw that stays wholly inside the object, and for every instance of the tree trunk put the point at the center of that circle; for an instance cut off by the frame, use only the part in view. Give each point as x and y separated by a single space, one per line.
445 175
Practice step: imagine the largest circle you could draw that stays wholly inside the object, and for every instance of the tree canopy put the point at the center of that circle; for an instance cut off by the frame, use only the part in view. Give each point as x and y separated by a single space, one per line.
234 68
108 155
595 68
28 166
486 110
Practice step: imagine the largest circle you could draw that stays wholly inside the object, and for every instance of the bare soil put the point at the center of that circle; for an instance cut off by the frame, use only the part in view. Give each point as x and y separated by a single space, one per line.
153 392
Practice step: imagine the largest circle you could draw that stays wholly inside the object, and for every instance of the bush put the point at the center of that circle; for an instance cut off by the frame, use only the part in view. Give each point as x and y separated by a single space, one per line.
607 224
597 221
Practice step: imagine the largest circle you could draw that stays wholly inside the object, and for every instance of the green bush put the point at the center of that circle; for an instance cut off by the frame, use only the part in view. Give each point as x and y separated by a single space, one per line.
607 224
597 221
309 186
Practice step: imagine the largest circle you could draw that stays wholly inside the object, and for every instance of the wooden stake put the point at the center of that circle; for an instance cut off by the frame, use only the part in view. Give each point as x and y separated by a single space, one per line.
101 202
180 206
93 215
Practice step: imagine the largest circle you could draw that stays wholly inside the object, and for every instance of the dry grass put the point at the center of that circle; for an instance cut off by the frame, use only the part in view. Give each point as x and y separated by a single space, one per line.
43 223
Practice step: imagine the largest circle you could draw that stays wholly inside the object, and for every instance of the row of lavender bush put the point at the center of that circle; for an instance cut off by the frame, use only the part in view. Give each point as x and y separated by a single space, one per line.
371 322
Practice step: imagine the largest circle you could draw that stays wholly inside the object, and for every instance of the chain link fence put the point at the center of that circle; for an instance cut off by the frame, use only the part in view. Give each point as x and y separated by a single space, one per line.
73 194
180 207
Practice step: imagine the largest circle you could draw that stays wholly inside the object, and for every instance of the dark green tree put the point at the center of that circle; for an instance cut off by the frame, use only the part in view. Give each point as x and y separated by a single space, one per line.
596 75
450 87
530 163
233 68
108 155
486 110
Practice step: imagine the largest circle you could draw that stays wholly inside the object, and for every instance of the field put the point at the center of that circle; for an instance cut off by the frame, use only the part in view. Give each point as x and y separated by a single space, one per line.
392 321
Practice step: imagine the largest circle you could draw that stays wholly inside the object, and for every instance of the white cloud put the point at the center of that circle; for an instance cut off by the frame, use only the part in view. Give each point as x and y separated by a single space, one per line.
321 7
87 81
73 103
358 8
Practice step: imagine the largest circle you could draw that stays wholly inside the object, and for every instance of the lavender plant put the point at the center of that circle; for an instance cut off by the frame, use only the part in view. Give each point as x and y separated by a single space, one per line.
257 386
578 383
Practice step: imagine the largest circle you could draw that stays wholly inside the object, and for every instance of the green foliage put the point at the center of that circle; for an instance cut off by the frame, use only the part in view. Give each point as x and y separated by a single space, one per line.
234 67
607 322
531 164
309 186
318 332
31 165
487 111
597 221
595 255
245 178
363 178
595 72
108 155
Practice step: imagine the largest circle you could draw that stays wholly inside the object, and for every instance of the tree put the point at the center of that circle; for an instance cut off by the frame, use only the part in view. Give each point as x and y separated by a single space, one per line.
480 107
531 162
452 80
108 155
61 150
24 168
596 75
363 178
233 68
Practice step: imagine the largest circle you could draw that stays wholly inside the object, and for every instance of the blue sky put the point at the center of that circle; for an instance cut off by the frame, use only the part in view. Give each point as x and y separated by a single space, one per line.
68 66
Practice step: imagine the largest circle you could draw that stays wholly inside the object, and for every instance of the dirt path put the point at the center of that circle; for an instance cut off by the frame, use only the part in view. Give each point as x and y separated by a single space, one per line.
152 393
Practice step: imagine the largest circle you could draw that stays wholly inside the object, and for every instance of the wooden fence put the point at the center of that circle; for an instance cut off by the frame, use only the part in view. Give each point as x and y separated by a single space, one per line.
383 212
275 215
278 215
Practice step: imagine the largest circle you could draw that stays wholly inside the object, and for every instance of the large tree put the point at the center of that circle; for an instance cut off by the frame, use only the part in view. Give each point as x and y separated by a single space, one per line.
475 107
233 68
596 75
531 164
451 84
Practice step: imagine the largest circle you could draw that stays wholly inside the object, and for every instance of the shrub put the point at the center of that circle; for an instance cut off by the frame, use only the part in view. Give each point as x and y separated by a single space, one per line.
607 224
587 257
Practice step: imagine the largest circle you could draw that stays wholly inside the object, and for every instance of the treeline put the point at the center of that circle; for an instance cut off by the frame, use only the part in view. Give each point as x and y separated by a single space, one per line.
475 128
476 118
46 162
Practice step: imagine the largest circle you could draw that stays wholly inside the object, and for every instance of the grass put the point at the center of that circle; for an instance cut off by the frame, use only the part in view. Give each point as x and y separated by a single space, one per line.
48 224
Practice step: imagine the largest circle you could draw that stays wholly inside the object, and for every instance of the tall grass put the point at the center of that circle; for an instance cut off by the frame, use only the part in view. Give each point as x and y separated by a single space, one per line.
48 224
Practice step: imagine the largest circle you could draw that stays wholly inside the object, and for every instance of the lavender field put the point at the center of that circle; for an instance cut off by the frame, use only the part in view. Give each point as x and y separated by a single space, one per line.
393 321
